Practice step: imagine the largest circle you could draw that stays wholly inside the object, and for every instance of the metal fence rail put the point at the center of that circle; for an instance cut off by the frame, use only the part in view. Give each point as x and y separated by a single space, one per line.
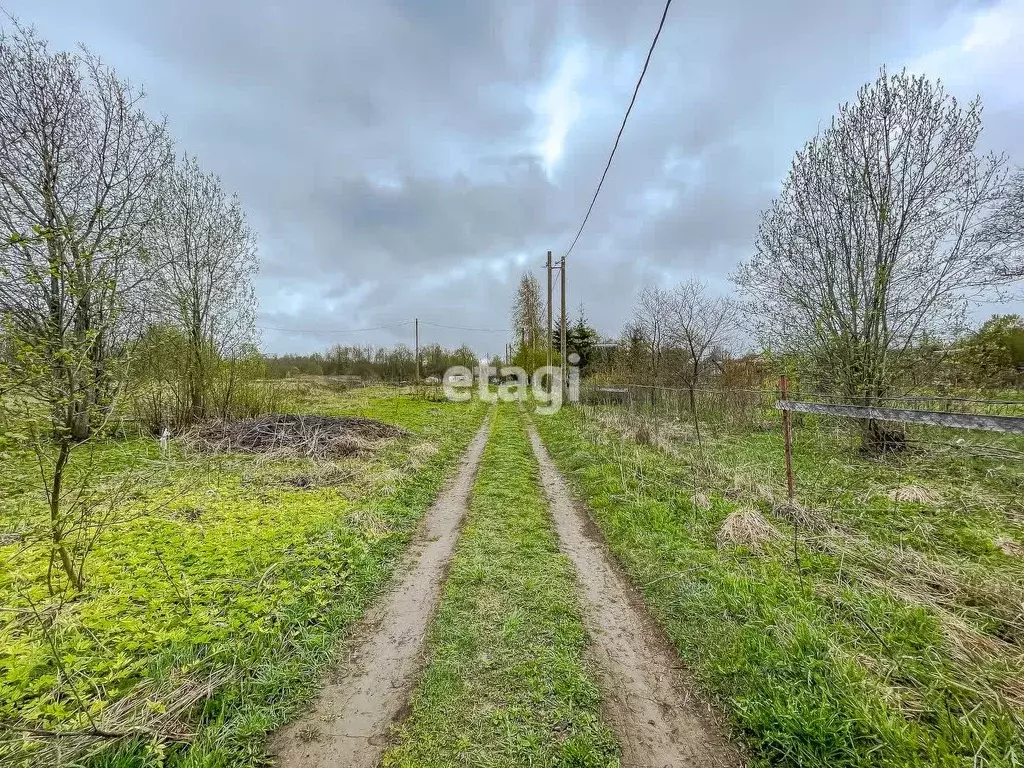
726 409
1007 424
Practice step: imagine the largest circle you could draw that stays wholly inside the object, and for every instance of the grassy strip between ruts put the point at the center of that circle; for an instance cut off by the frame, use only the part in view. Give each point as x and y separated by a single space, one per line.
255 578
508 683
814 665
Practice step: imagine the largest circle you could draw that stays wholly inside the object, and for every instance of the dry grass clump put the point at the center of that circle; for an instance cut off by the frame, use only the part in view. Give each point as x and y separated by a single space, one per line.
386 481
321 475
802 517
1010 547
292 435
746 527
422 451
942 587
1012 692
902 697
664 435
915 494
968 644
373 525
419 454
154 710
746 483
701 501
971 648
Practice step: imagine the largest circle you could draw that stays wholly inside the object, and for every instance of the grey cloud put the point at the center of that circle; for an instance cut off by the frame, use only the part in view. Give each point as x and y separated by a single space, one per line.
386 152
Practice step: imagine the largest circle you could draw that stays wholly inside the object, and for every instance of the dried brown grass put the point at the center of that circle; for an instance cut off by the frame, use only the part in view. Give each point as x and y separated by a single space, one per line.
901 697
373 525
664 435
809 519
701 501
422 451
1010 547
156 710
915 494
912 576
968 644
746 527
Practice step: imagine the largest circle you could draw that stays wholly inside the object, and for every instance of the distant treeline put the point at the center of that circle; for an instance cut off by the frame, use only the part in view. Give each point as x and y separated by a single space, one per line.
370 363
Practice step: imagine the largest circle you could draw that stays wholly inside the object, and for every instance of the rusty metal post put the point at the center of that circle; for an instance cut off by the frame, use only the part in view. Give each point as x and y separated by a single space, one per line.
787 434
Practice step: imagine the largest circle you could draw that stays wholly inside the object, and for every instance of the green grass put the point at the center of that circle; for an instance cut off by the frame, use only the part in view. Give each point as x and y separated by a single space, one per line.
231 570
834 661
981 498
507 682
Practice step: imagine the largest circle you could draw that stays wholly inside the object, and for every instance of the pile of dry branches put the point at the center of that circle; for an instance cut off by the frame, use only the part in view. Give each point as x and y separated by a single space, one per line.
292 435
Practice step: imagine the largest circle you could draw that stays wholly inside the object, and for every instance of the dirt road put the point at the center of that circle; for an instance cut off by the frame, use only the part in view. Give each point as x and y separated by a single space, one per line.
658 717
348 725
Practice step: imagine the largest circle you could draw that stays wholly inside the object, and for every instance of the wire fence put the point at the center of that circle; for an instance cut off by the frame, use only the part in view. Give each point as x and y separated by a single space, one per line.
974 425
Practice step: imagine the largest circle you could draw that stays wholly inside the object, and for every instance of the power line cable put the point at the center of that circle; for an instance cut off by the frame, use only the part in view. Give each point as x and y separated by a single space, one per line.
334 330
381 327
622 127
464 328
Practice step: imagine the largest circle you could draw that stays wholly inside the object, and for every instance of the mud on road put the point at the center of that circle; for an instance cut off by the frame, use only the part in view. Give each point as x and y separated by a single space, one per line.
349 724
658 716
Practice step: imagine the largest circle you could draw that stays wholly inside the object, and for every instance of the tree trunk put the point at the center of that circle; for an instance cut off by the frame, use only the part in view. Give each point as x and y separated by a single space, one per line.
56 534
81 382
80 426
878 437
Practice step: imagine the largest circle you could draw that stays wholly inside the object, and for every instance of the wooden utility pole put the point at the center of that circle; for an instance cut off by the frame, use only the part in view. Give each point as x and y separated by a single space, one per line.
417 326
548 345
565 362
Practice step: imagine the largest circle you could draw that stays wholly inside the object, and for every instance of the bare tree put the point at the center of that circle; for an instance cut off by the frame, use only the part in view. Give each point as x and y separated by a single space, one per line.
878 238
702 325
528 313
204 287
79 163
652 317
1007 232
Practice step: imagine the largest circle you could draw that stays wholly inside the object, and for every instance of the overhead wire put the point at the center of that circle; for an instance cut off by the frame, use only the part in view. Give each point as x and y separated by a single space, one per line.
402 324
465 328
335 330
590 209
622 127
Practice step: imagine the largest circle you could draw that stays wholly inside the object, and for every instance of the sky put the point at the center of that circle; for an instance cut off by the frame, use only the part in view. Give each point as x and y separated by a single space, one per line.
412 158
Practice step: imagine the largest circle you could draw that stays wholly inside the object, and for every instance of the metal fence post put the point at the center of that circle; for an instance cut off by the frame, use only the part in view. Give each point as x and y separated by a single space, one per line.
787 436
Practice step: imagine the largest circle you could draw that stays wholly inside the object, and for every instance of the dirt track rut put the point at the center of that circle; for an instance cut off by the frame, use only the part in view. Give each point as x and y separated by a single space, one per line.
658 717
349 723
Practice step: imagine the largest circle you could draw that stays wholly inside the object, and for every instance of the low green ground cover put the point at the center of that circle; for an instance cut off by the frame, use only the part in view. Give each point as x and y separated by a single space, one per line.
507 683
889 634
237 570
